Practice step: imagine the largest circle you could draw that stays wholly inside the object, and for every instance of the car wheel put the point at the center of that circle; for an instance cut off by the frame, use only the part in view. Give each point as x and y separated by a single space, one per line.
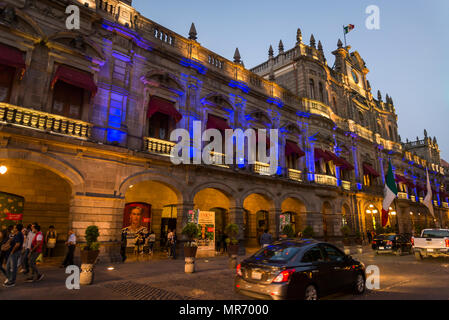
418 255
399 252
359 285
311 293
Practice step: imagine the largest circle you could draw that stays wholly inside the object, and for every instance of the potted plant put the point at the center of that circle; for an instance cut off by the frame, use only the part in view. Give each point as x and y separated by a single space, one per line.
190 247
346 231
287 230
232 230
89 255
308 232
359 242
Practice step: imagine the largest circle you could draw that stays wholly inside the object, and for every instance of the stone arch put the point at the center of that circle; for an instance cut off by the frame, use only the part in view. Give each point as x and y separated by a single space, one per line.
372 213
327 211
48 161
291 127
157 78
222 187
151 175
76 35
25 17
294 211
260 117
217 99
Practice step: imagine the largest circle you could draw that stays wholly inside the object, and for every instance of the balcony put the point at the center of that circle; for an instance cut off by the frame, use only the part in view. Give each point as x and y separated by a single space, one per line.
413 198
435 203
158 146
346 185
326 180
294 174
402 195
217 159
421 199
445 205
262 168
46 122
316 107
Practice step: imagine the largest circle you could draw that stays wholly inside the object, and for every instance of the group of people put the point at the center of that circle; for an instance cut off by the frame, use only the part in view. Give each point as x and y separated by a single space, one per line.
220 242
21 248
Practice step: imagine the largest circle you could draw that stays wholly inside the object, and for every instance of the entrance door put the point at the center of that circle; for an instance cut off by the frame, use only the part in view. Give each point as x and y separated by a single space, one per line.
166 224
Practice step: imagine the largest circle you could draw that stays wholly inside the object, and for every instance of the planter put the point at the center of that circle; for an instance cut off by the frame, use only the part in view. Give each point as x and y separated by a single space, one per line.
88 259
347 250
189 254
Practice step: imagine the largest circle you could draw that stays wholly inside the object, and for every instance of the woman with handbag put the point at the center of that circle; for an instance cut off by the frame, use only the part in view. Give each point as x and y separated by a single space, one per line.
50 241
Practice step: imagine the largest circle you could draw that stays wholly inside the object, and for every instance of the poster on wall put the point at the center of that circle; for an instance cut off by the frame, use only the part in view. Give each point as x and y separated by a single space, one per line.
11 208
206 234
193 216
136 223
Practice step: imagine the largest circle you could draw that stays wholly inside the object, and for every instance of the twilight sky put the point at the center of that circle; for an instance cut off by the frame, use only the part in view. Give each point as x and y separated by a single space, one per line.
407 57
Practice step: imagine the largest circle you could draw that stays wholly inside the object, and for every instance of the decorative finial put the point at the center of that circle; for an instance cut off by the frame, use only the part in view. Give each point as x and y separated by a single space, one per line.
425 133
192 32
298 36
379 96
237 58
271 75
339 44
400 139
387 98
270 52
312 41
391 101
320 46
281 47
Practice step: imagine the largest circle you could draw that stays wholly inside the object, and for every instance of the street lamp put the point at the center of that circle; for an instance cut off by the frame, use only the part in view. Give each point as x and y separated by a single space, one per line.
3 169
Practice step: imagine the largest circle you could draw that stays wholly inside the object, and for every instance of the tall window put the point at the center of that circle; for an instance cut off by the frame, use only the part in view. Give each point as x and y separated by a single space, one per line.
391 133
6 79
67 100
321 92
312 88
160 126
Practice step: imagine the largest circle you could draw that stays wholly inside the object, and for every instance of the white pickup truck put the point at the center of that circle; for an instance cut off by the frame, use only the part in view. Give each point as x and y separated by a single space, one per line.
433 243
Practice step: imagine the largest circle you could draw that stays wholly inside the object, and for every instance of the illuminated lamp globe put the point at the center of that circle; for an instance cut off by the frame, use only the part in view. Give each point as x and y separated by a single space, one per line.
3 169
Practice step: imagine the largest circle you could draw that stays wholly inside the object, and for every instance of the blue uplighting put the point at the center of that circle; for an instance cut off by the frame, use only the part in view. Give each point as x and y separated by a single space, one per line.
276 101
195 64
240 85
303 114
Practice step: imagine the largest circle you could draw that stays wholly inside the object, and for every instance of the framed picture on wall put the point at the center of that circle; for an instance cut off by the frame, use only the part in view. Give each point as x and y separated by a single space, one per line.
136 223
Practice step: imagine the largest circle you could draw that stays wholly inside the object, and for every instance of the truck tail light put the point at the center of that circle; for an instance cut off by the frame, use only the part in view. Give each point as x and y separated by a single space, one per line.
447 243
239 270
413 241
284 276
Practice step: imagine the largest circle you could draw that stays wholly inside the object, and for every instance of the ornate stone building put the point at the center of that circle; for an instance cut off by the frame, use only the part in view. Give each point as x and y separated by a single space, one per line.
85 117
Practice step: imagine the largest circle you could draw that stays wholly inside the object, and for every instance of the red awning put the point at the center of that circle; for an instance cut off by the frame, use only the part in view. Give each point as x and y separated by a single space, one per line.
400 179
76 78
293 148
214 122
12 57
345 165
367 169
318 154
163 106
410 183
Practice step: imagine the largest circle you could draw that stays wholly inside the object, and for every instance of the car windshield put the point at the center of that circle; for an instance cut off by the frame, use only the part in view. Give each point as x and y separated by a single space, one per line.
276 253
392 237
435 233
379 237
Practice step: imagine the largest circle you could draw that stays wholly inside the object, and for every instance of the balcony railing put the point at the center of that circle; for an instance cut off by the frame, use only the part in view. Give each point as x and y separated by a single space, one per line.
294 174
217 159
421 199
325 179
445 205
413 198
43 121
402 195
262 168
435 203
346 185
158 146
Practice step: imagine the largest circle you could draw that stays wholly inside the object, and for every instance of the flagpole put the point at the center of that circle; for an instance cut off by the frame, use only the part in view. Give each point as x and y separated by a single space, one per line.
344 35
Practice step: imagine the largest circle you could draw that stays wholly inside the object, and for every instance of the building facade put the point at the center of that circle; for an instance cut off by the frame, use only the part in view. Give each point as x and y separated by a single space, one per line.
86 115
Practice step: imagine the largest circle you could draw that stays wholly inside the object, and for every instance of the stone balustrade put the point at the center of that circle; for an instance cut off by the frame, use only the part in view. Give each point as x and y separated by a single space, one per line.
326 180
346 185
158 146
43 121
294 174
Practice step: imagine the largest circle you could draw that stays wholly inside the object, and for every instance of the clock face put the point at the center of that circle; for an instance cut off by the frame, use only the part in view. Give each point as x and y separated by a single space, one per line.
354 76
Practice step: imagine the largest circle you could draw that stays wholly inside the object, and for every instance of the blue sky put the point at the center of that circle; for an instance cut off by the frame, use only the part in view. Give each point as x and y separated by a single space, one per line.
407 57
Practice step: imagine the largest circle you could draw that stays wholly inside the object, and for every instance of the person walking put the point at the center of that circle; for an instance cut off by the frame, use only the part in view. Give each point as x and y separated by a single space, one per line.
224 243
6 236
151 241
36 249
26 249
369 236
169 242
265 238
16 244
173 244
50 241
71 244
124 241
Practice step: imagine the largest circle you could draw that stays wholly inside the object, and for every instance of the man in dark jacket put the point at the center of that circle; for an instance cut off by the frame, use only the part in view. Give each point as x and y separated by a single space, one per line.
265 238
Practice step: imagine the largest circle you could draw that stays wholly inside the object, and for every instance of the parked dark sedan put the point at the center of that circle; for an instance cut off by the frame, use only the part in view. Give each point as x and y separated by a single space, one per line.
298 269
392 243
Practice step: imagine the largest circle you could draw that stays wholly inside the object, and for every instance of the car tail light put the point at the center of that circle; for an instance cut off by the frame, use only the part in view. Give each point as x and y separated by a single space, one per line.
447 243
389 243
374 242
239 270
413 241
284 276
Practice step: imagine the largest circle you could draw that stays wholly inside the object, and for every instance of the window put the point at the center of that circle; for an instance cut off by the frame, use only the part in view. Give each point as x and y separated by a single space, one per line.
160 126
313 255
312 89
6 80
355 77
333 254
291 161
67 100
277 253
321 92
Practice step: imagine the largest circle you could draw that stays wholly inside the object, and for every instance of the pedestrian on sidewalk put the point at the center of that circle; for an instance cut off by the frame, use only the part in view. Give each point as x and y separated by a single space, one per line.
265 239
71 244
123 244
151 241
50 241
26 249
169 242
36 249
369 236
16 245
173 245
6 236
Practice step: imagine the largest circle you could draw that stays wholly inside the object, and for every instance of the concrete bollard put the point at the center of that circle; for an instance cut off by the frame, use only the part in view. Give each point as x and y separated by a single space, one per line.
189 265
87 274
359 249
233 261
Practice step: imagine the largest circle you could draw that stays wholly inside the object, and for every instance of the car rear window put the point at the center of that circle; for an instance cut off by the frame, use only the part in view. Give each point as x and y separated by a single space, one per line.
276 253
391 237
380 237
435 233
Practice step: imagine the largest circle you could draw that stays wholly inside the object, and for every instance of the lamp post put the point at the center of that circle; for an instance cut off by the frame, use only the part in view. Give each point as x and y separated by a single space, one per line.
3 169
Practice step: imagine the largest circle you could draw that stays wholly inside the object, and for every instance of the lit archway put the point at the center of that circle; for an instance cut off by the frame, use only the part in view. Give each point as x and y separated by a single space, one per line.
293 211
328 228
258 207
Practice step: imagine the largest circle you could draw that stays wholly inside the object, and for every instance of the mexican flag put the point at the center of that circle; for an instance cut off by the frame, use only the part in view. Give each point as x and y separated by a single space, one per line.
348 28
428 198
390 192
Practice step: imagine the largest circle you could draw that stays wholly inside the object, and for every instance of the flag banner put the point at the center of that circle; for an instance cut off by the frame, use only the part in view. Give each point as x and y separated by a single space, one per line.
348 28
390 193
428 198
